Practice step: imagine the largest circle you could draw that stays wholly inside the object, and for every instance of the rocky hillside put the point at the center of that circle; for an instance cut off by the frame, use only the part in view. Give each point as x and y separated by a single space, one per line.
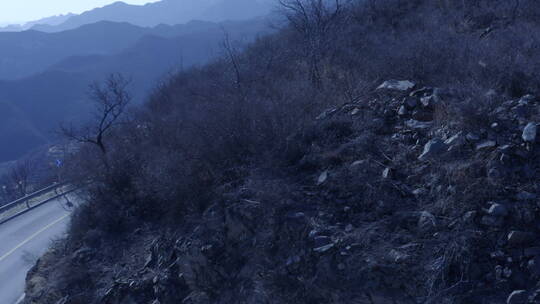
372 162
387 203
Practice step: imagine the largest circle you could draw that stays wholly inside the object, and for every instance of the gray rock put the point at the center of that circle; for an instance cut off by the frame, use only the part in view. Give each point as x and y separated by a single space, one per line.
527 99
359 163
322 178
498 272
497 255
469 216
402 111
522 111
426 221
387 173
149 260
491 93
326 114
432 148
498 210
399 85
293 260
64 300
516 238
397 256
419 192
507 272
534 266
472 137
430 101
517 297
425 91
324 248
415 124
529 132
487 144
457 139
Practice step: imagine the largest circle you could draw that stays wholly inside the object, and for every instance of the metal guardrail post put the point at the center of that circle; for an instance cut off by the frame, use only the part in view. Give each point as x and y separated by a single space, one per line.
26 200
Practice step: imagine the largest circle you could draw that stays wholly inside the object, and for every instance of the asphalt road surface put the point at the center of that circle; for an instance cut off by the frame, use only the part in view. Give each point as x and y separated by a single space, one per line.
22 240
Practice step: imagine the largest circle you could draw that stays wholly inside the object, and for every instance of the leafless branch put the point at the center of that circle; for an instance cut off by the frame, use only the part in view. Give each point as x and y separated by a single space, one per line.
111 99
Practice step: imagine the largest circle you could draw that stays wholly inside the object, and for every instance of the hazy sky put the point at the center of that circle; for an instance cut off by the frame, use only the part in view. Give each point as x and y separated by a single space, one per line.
12 11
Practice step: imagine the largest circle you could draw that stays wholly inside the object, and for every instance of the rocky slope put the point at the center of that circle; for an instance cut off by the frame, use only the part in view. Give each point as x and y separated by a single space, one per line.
396 194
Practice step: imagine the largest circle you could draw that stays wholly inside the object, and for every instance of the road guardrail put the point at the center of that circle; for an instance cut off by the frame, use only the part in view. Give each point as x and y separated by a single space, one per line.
33 200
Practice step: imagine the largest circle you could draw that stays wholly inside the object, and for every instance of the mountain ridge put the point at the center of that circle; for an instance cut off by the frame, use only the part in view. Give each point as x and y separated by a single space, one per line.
169 12
151 53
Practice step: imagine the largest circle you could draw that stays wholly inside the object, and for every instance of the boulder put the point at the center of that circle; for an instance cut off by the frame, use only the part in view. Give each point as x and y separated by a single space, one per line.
534 266
527 99
432 148
498 210
387 173
398 256
326 114
472 137
398 85
402 111
415 124
517 297
425 91
322 178
324 248
487 144
457 139
429 101
529 132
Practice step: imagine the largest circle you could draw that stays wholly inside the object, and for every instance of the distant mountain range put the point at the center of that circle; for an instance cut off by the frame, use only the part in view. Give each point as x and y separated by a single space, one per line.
47 65
169 12
23 54
51 21
55 69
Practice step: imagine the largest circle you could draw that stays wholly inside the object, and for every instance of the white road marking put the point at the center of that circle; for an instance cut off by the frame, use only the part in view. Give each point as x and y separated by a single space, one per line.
32 237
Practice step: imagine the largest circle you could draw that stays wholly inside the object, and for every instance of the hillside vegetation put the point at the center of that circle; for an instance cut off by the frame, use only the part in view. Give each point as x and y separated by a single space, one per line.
370 152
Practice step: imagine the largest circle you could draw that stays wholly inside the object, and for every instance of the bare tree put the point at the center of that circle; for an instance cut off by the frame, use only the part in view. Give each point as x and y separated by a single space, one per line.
232 56
110 99
315 20
20 175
